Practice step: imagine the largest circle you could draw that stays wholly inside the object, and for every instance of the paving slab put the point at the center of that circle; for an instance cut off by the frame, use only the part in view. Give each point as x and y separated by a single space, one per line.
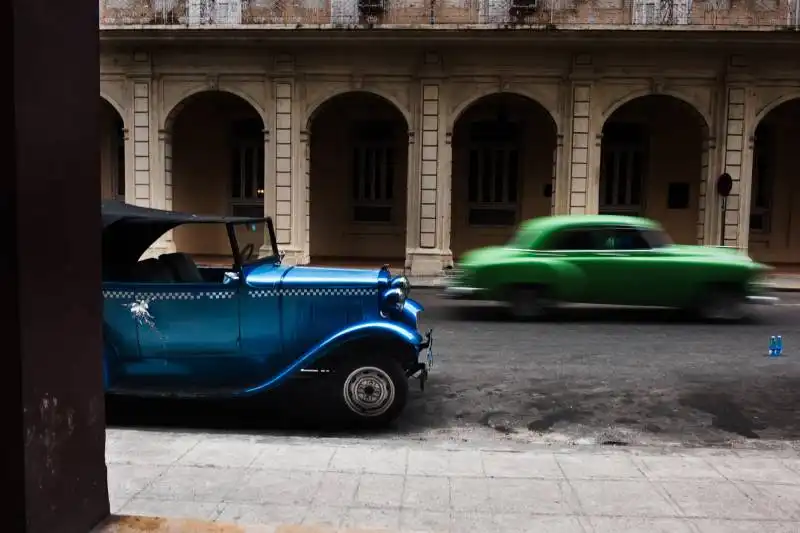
193 482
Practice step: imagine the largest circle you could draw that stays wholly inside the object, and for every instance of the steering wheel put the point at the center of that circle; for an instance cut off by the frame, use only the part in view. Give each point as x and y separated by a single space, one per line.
247 252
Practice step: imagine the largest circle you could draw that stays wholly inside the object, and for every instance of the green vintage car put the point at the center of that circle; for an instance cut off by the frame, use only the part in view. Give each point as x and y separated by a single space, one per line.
610 260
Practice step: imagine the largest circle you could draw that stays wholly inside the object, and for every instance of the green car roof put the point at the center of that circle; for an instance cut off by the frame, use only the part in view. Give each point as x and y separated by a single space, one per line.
530 230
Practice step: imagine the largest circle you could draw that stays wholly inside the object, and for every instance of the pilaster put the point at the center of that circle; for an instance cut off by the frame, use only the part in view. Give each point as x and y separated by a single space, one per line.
428 247
706 204
560 199
580 182
142 190
735 163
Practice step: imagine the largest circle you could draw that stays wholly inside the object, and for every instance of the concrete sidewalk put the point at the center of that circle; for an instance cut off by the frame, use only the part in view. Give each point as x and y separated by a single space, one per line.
304 484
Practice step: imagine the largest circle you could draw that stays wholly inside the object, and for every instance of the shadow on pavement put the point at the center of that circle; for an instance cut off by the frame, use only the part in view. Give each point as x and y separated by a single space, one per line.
600 315
288 411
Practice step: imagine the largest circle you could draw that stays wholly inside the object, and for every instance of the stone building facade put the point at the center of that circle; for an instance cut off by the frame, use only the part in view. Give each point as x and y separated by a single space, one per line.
408 139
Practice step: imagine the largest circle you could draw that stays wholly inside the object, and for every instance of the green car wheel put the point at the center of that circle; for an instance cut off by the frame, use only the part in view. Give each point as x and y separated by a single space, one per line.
722 304
527 303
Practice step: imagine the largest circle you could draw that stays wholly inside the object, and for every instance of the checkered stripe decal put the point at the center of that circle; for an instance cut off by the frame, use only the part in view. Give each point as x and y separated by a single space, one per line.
319 291
118 295
263 293
226 295
176 295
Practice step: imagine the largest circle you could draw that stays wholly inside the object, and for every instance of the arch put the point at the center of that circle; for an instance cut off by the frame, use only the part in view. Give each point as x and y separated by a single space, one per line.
180 104
770 107
504 150
118 108
357 164
618 104
464 106
316 106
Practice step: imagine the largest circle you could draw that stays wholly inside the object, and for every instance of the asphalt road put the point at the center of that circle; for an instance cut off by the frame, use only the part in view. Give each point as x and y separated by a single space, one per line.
588 375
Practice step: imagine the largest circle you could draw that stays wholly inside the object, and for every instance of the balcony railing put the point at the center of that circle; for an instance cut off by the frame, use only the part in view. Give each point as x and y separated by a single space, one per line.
712 14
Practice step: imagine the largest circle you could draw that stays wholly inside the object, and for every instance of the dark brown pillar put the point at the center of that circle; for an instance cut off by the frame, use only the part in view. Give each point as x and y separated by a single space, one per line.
53 464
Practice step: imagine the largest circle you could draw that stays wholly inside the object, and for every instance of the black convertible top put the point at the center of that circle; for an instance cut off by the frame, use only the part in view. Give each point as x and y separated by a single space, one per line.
114 211
129 230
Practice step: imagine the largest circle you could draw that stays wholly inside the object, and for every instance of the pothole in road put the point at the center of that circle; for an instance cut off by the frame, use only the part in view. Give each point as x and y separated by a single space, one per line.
727 414
548 420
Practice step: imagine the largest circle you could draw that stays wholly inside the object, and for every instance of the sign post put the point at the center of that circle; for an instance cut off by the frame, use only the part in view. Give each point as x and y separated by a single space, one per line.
724 187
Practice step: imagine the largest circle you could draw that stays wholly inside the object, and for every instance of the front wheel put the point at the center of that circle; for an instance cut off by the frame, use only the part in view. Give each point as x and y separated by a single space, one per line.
527 303
722 304
372 389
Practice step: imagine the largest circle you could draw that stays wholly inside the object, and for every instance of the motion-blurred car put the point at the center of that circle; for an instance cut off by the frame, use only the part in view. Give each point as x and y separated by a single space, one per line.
608 259
174 329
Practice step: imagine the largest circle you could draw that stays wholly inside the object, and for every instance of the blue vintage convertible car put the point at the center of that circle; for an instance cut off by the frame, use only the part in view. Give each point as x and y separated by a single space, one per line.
175 329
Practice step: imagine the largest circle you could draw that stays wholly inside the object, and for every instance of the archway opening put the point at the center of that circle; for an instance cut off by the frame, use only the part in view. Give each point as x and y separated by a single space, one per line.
112 152
358 182
774 235
215 165
504 148
653 164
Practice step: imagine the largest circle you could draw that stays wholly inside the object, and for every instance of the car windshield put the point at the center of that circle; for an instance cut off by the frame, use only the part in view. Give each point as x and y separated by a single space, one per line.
253 239
523 239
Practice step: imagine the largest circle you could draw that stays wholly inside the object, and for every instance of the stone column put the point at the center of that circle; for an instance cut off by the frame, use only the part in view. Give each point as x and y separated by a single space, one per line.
142 191
152 158
583 184
284 180
737 163
560 200
290 179
53 464
429 251
705 201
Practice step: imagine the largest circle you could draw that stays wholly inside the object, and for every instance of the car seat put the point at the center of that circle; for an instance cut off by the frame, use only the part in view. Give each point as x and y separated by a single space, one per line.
151 271
183 267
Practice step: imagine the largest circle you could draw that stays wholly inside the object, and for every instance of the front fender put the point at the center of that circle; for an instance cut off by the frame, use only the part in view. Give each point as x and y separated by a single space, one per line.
411 309
383 329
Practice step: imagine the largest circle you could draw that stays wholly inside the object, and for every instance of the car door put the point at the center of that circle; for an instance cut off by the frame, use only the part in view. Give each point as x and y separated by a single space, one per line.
190 334
608 272
120 335
627 266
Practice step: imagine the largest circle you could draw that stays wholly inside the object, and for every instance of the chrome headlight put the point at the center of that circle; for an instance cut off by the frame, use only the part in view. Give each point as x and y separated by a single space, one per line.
393 300
402 283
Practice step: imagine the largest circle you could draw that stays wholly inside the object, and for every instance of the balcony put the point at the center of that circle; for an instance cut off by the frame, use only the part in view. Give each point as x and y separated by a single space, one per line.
751 15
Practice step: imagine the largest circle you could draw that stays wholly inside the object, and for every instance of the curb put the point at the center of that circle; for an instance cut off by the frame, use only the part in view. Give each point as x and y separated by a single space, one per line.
437 283
141 524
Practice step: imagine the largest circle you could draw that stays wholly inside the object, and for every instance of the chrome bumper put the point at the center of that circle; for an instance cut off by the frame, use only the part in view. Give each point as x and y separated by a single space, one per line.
456 292
759 299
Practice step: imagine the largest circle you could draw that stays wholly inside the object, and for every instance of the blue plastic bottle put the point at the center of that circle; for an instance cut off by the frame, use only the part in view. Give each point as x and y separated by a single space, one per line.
779 347
773 346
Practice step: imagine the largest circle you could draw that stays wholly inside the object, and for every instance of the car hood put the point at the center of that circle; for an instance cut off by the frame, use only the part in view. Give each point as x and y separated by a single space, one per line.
313 276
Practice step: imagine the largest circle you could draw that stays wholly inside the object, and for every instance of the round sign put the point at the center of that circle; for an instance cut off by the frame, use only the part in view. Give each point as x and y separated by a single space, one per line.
724 184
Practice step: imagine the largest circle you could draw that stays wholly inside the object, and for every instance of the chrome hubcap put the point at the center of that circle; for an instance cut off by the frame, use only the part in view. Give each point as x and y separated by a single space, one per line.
369 391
